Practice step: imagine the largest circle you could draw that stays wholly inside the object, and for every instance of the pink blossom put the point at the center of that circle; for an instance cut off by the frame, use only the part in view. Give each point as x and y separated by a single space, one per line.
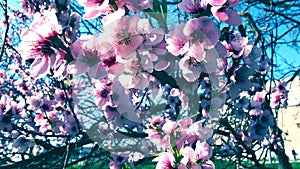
185 123
113 165
5 104
188 154
257 132
87 57
94 9
208 164
177 41
60 96
266 119
240 81
71 127
17 109
165 160
203 150
169 126
112 17
34 102
132 75
103 94
258 98
216 2
41 43
124 35
154 136
190 71
192 6
135 5
203 30
228 16
255 112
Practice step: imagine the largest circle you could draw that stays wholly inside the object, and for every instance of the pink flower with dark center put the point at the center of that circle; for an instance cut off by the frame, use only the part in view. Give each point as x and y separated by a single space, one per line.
165 160
34 102
87 55
177 41
47 105
190 156
103 94
42 44
71 127
17 109
258 98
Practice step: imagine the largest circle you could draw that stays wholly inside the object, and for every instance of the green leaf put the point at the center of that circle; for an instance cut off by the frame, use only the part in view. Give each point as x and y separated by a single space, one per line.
153 14
127 166
174 146
164 7
156 6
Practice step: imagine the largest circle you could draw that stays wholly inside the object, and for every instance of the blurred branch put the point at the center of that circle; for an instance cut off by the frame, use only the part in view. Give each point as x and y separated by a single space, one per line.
4 6
297 72
59 151
282 15
253 25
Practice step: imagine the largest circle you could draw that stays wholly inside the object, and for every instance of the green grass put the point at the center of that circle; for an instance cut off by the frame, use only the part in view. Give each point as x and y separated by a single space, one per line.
218 165
223 164
295 165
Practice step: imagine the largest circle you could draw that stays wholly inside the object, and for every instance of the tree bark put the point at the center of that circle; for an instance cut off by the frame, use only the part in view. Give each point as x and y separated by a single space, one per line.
283 159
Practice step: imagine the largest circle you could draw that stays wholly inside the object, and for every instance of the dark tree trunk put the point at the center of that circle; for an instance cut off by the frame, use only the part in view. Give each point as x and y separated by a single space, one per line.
283 159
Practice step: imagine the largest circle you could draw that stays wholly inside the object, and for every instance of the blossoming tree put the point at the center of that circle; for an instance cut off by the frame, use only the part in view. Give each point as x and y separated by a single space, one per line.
172 84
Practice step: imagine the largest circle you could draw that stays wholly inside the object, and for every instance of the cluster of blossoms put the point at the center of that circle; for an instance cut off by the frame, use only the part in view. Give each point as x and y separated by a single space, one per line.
34 109
29 112
250 101
184 142
126 55
45 44
219 8
159 84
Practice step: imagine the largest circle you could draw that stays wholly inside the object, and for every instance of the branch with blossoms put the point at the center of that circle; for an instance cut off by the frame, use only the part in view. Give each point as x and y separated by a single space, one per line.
147 85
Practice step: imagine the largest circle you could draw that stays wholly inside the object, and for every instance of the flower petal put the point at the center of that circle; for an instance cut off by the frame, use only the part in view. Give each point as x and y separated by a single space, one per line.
40 67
